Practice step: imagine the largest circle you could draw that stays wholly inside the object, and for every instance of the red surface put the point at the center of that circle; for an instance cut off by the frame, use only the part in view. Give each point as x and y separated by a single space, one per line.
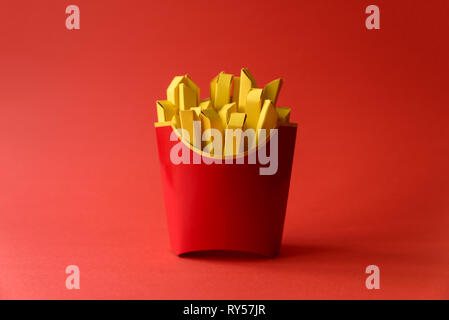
79 174
219 206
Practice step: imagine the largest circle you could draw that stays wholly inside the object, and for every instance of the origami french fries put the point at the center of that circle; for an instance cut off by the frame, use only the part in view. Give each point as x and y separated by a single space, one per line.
198 216
228 95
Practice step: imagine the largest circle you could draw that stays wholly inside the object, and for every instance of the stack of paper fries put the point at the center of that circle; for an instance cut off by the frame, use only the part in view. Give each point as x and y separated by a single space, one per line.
236 104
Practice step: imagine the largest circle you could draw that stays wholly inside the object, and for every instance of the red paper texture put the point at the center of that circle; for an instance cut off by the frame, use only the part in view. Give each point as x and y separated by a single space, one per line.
226 206
80 178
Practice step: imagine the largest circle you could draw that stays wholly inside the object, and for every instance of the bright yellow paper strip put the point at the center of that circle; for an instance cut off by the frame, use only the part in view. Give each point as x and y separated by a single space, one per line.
187 118
268 116
271 90
283 114
211 120
253 107
268 120
247 82
233 135
165 110
225 113
223 90
205 104
236 90
187 97
192 85
173 90
213 89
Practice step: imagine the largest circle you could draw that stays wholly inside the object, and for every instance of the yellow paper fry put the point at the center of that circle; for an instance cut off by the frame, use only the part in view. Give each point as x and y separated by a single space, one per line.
236 89
283 114
226 111
233 135
223 91
189 133
268 120
213 89
205 104
187 97
268 117
165 110
253 107
271 90
211 120
197 110
173 90
192 85
214 119
175 121
247 82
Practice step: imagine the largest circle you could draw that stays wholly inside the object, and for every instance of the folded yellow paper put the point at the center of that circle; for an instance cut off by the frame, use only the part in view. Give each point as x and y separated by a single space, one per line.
253 107
176 121
192 85
173 90
223 90
235 104
211 120
197 110
187 97
236 90
283 114
165 110
213 89
267 120
233 135
226 111
247 82
189 132
205 104
271 90
236 120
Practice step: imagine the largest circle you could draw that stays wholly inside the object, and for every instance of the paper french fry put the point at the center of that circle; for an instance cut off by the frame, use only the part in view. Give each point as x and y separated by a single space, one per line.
236 120
233 133
187 97
173 90
223 90
205 104
283 114
213 89
175 121
268 119
165 110
226 111
197 110
192 85
253 107
247 82
160 113
235 89
205 125
271 90
213 116
211 120
189 132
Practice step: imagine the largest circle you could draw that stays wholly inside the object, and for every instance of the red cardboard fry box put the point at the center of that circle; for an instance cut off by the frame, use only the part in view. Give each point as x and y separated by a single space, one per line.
226 206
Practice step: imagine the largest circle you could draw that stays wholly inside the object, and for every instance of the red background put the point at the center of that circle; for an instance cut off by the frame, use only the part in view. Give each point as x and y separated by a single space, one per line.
79 174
